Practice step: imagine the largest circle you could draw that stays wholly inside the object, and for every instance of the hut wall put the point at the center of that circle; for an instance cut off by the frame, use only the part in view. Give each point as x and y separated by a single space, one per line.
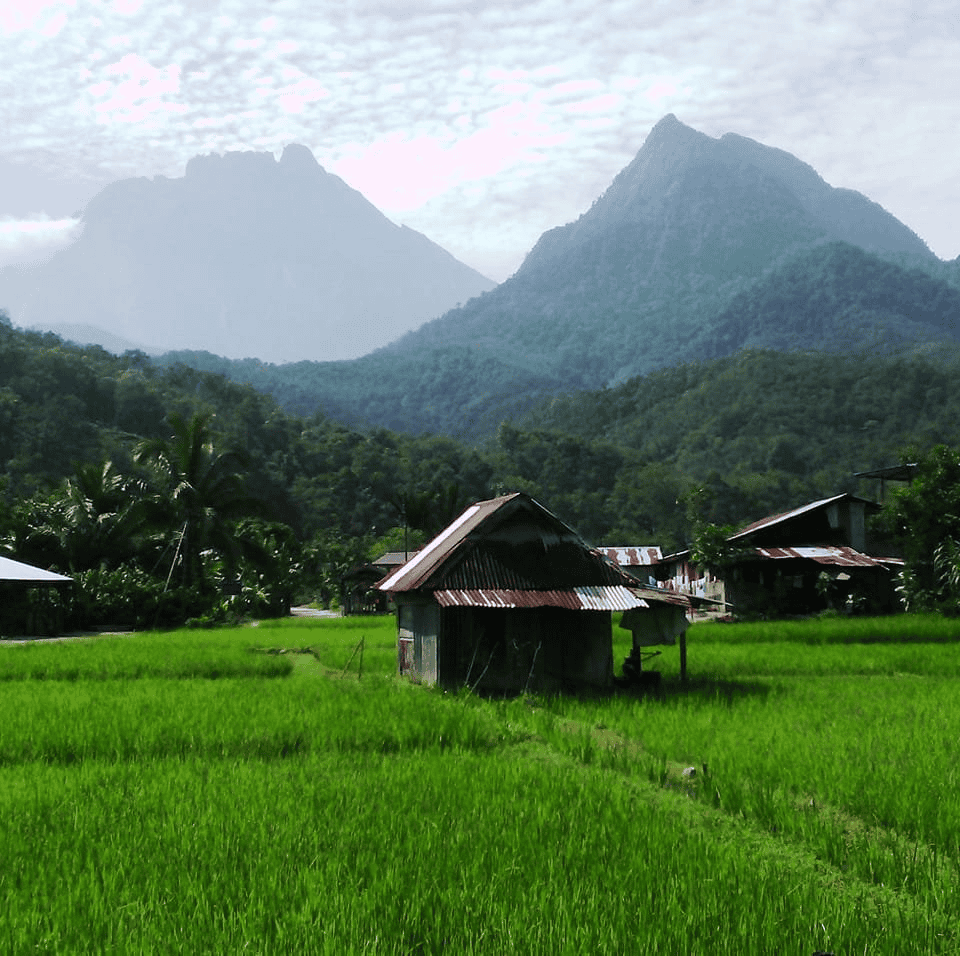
500 650
418 625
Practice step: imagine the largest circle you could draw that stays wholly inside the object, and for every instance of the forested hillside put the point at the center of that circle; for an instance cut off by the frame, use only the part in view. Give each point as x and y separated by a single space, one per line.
83 434
761 430
112 470
446 391
835 298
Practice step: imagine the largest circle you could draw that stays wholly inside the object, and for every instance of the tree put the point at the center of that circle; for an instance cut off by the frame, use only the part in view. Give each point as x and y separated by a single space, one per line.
102 514
200 492
924 520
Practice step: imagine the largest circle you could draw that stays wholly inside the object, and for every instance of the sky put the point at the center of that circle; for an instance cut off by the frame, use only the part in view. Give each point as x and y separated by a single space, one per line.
480 124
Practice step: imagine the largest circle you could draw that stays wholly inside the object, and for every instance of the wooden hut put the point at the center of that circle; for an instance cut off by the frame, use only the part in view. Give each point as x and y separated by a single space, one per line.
508 598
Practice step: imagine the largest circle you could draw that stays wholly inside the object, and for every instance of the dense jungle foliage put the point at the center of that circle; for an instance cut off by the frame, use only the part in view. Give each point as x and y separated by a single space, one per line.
172 493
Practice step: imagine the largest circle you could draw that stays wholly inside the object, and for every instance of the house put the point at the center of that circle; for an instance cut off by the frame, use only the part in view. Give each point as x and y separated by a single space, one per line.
30 599
797 562
359 585
508 598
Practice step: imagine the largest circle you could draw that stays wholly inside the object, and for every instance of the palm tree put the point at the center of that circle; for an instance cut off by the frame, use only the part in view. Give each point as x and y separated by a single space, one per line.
101 516
200 493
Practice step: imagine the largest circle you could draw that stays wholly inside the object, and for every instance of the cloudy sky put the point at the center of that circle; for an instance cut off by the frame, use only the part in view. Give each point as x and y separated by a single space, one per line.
481 124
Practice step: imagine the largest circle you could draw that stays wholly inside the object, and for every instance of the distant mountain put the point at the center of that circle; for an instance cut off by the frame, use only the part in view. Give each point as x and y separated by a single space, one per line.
687 225
244 256
699 248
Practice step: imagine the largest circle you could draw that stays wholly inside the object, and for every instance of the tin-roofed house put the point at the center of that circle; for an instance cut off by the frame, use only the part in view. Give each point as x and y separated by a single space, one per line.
508 598
31 599
798 562
638 561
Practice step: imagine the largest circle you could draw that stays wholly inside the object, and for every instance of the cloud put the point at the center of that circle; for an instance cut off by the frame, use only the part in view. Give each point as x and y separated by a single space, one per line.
26 241
450 107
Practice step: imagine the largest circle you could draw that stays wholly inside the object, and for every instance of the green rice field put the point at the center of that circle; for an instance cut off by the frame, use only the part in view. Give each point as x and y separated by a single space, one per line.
276 789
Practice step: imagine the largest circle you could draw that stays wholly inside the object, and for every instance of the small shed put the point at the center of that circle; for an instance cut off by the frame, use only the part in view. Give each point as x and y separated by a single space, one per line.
509 598
30 599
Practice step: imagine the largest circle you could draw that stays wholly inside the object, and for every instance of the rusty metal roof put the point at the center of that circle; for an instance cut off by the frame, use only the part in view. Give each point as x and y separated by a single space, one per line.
832 554
511 541
11 570
633 557
606 598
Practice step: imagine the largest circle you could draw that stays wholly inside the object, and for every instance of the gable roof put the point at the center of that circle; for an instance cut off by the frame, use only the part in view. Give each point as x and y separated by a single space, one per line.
785 516
19 572
512 552
457 546
419 568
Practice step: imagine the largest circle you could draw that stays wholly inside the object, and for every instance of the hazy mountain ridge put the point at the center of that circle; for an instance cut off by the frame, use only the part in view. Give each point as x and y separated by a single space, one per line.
449 391
699 247
243 256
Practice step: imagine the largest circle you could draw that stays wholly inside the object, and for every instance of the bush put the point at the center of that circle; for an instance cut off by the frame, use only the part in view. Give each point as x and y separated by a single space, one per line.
128 597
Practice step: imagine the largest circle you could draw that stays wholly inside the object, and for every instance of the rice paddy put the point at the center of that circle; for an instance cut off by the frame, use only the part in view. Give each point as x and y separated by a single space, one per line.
202 792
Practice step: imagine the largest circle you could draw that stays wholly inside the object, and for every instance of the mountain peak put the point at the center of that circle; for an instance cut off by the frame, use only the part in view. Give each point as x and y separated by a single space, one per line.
216 164
713 186
298 158
245 256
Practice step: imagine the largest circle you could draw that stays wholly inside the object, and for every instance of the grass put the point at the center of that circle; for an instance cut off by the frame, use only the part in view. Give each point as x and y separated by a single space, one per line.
149 807
172 655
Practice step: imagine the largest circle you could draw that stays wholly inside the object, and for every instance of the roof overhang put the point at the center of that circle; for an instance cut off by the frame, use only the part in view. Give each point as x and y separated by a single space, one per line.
19 573
605 598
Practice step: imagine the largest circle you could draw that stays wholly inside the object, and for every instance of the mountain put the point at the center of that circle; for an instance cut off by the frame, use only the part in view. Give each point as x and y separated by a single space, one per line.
630 285
837 298
244 256
699 248
449 391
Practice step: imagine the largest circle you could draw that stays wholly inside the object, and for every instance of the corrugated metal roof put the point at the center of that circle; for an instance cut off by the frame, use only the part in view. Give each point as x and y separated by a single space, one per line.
418 569
11 570
604 598
633 557
833 554
787 515
664 596
416 572
903 472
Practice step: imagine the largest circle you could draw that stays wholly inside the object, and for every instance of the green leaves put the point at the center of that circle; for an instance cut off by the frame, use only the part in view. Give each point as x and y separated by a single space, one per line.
924 519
